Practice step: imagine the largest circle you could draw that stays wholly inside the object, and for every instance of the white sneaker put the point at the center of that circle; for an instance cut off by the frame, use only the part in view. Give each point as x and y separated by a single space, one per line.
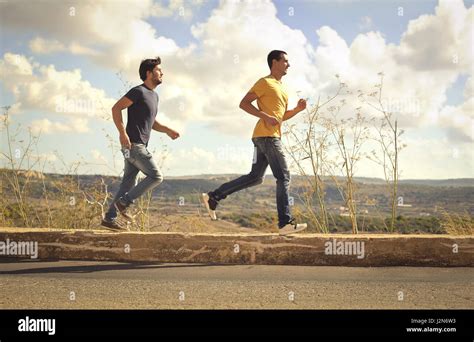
291 228
212 213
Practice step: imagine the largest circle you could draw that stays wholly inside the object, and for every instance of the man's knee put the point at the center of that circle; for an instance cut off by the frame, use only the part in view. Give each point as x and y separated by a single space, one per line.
284 178
157 176
258 179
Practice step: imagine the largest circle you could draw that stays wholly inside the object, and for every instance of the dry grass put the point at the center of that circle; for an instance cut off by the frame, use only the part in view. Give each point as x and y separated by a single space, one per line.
457 224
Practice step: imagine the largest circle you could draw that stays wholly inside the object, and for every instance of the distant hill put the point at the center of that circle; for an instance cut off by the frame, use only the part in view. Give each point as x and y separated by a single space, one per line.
454 182
441 182
296 179
420 195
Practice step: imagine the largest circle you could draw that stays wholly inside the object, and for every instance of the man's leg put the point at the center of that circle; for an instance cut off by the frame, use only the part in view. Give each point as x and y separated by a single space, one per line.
143 161
255 177
276 158
128 181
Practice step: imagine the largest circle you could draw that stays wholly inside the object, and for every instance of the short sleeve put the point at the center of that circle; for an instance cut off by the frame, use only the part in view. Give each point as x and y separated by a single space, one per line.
133 95
258 88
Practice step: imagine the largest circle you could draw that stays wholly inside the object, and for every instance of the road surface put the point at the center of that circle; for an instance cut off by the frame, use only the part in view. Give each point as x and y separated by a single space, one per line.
33 284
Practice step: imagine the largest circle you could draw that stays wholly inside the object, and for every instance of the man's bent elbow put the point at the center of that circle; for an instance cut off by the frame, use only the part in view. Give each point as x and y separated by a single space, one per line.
243 105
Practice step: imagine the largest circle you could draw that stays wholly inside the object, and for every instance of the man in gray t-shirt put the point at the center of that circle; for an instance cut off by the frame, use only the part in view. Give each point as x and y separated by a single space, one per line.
142 105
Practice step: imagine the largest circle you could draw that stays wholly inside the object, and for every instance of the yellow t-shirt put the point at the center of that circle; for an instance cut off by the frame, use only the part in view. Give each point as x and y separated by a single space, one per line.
272 98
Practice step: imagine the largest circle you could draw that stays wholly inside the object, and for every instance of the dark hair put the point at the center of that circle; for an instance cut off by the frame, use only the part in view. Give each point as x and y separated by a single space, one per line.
275 54
148 65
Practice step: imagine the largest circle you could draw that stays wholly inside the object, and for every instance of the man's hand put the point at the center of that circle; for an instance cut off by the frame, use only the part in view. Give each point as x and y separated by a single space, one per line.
301 105
165 129
125 141
172 134
271 120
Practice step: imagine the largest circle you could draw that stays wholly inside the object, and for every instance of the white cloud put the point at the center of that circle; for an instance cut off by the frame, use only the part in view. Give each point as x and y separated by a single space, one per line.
459 121
98 156
14 65
197 160
469 88
49 157
176 8
65 93
418 72
440 42
365 23
436 159
44 46
45 126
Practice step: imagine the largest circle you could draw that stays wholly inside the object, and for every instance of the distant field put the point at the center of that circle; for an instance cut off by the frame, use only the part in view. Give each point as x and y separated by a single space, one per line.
175 204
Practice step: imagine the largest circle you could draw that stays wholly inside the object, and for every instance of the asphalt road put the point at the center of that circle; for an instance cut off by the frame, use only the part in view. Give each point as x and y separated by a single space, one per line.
34 284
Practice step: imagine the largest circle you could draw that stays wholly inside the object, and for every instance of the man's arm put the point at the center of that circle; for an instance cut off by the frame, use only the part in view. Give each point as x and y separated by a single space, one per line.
121 104
165 129
299 107
246 105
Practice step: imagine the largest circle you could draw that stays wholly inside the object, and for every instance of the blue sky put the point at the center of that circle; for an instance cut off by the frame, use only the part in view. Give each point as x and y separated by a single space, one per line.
206 128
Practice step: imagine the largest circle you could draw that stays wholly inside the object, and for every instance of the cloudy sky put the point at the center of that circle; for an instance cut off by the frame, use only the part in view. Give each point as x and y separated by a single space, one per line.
63 65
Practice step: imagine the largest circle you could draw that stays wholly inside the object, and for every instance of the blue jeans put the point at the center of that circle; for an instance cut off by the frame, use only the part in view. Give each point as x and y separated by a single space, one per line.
268 151
136 159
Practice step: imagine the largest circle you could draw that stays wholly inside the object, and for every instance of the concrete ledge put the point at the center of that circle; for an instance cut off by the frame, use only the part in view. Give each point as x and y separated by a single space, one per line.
269 249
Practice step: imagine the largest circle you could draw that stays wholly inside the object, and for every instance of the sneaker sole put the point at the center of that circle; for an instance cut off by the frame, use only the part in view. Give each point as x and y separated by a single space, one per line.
128 217
113 229
293 231
212 213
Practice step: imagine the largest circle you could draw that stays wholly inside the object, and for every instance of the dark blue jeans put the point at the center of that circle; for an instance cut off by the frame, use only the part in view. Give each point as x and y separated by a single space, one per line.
138 158
268 151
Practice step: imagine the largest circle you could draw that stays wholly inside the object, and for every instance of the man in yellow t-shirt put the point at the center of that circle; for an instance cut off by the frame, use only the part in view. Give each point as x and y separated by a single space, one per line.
272 102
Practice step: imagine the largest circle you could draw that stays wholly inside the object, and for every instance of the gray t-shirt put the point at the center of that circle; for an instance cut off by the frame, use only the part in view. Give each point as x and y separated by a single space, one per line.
141 114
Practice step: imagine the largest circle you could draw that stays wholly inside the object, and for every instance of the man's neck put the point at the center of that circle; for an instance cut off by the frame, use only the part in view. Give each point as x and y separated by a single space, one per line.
149 84
276 75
